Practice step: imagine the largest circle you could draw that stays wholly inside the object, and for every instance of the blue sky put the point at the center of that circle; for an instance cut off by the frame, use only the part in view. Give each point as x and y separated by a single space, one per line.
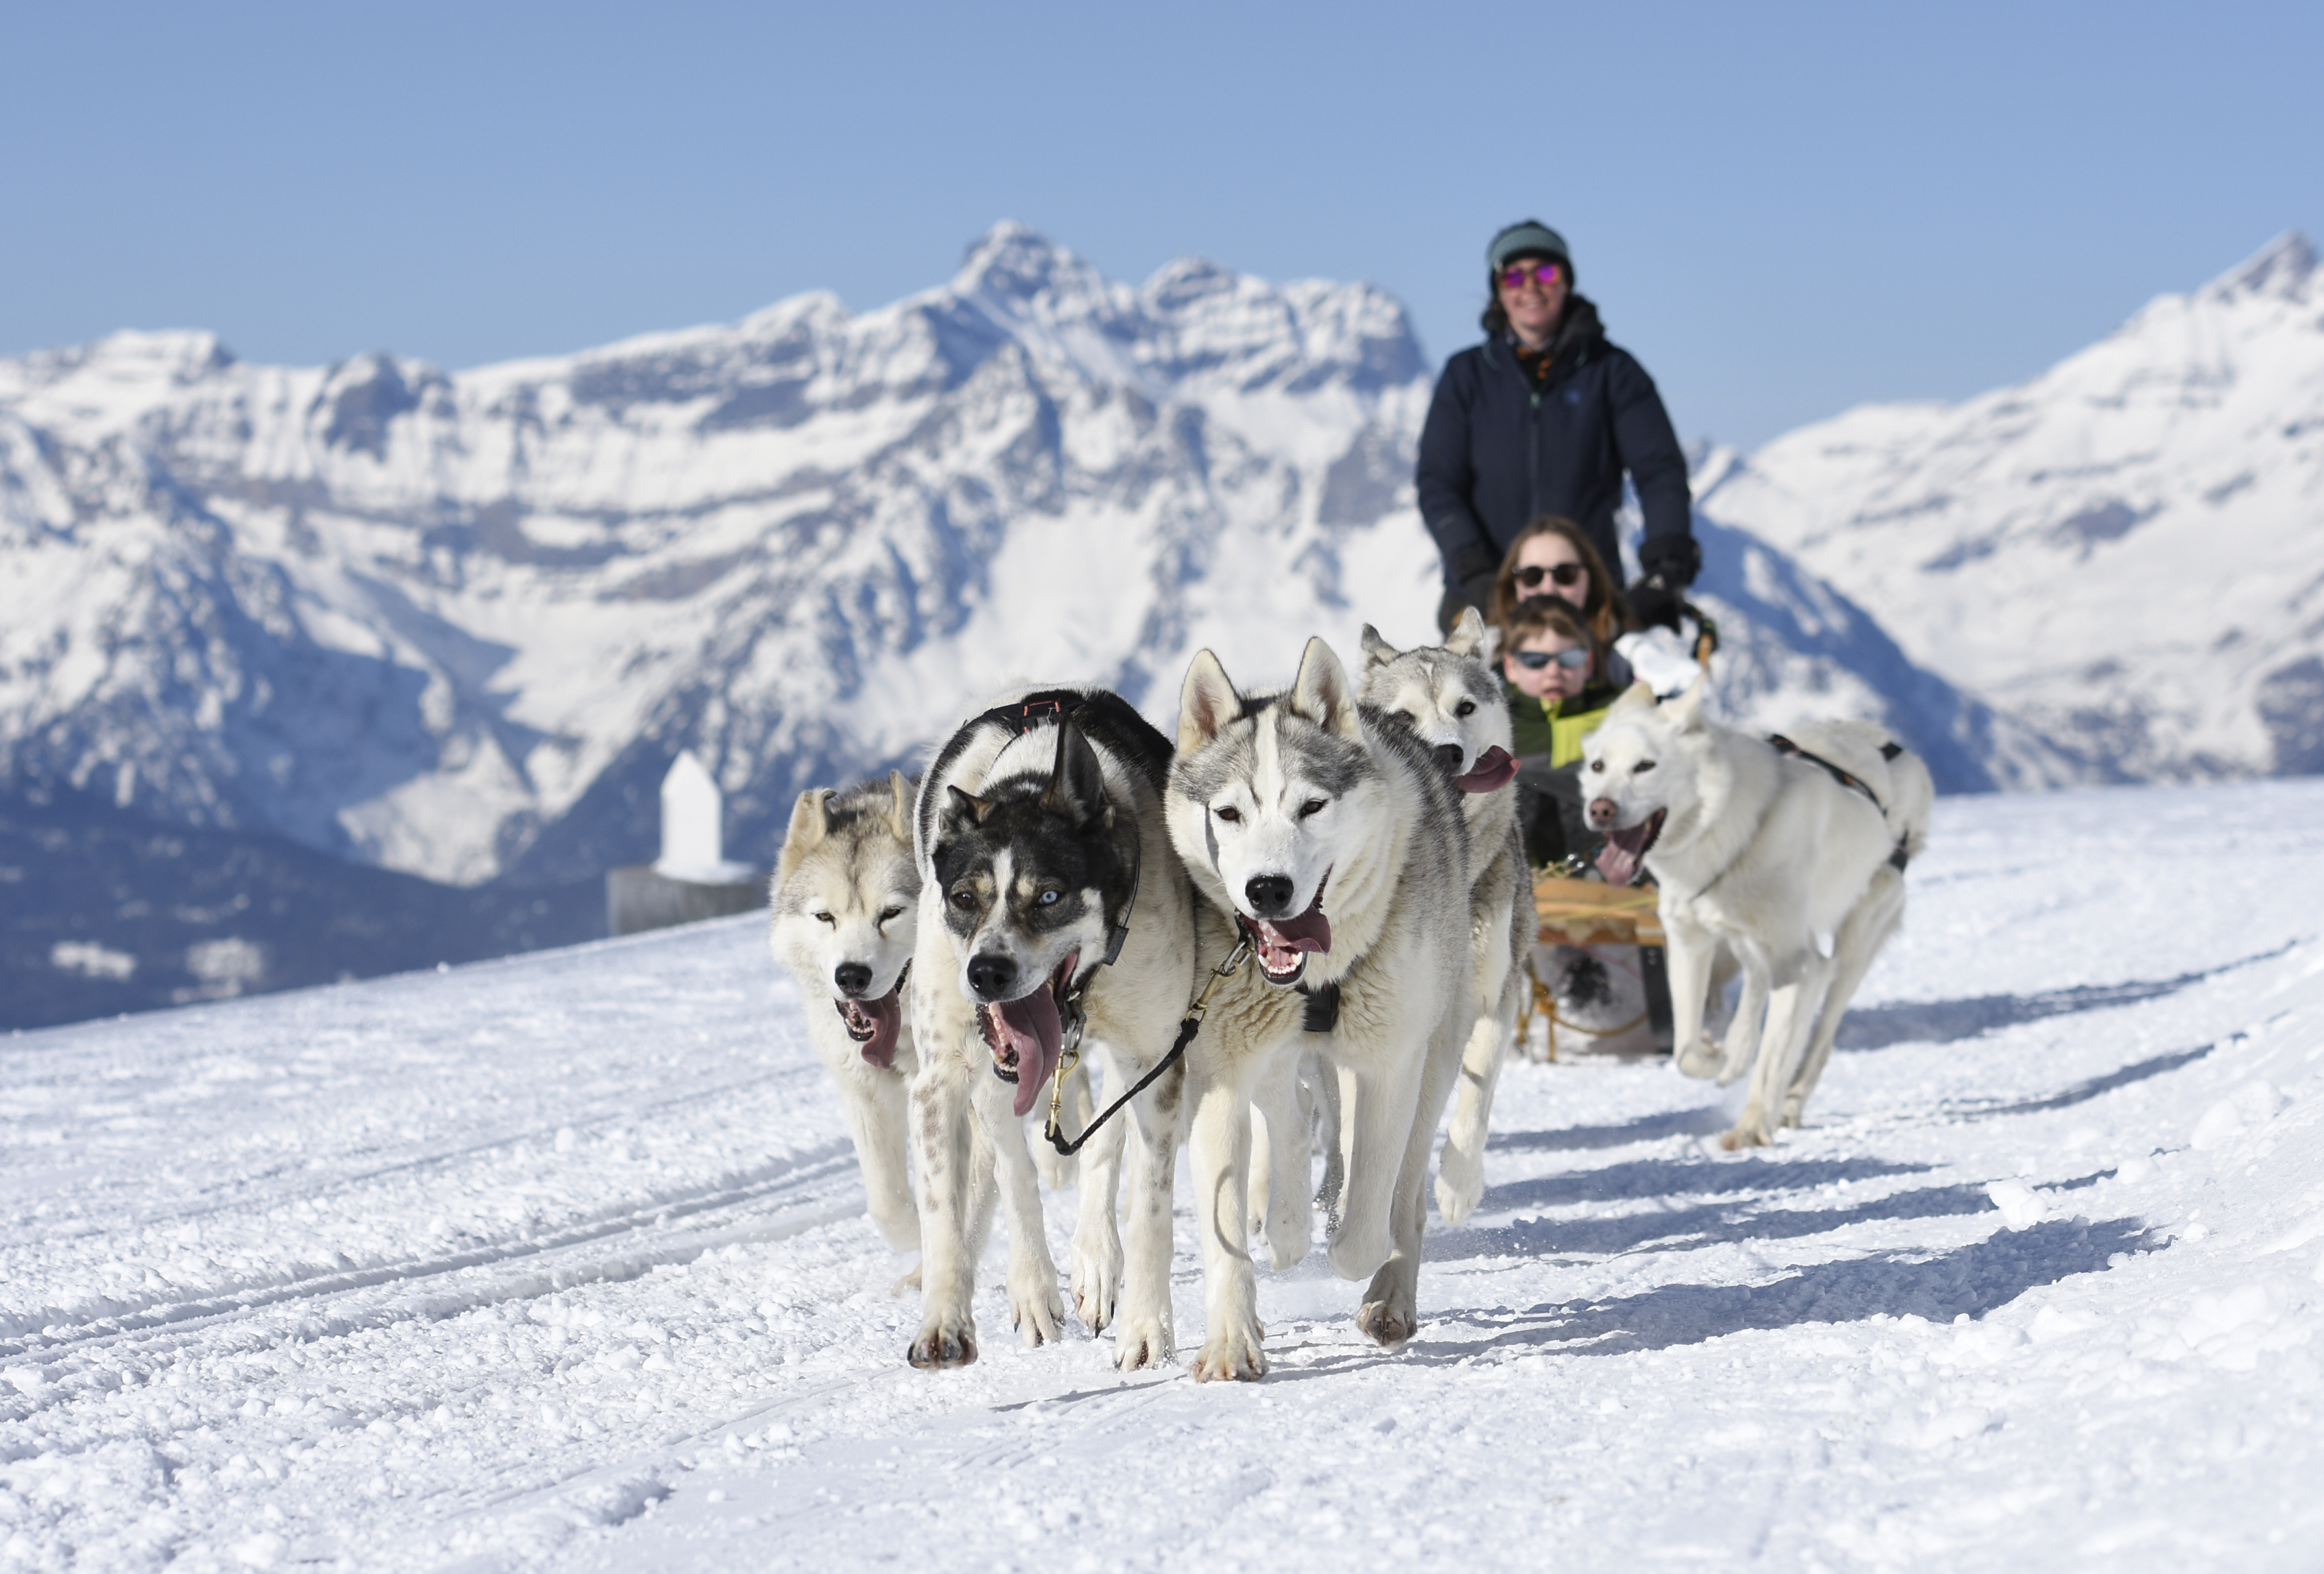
1783 210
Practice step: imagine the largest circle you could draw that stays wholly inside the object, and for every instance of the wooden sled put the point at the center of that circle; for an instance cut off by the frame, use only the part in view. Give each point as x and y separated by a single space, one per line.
1579 912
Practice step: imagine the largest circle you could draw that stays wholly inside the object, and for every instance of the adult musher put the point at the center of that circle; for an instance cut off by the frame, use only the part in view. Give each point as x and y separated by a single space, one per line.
1536 428
1544 418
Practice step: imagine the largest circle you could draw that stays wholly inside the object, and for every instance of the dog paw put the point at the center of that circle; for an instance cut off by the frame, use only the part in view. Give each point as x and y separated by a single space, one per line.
1096 1286
1388 1323
1232 1354
909 1282
1038 1311
1143 1343
1743 1136
944 1343
1702 1059
1459 1190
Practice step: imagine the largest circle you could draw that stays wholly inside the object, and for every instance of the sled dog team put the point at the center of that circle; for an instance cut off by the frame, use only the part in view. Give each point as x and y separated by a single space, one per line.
1319 896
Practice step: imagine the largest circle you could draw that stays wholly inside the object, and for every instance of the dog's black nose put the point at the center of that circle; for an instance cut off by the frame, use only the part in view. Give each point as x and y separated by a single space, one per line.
1449 755
1269 895
853 976
991 977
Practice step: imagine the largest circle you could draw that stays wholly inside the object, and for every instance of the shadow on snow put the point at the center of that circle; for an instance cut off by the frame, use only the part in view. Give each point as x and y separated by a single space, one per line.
1950 1021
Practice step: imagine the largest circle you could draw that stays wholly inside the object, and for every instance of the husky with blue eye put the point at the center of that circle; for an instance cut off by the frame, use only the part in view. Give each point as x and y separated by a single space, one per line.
1055 922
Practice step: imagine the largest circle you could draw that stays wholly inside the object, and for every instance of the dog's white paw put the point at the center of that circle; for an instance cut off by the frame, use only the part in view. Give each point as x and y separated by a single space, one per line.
946 1341
1460 1185
1702 1058
1142 1341
1746 1133
911 1281
1038 1310
1096 1283
1388 1323
1232 1353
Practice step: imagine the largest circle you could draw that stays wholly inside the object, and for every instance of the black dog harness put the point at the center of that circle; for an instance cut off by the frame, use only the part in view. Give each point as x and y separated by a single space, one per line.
1889 750
1897 856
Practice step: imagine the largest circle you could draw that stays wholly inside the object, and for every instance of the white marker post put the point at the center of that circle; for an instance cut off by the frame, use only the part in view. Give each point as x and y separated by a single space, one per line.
693 877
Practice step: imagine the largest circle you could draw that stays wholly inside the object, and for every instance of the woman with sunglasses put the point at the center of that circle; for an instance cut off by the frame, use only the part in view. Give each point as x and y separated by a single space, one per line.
1553 556
1544 418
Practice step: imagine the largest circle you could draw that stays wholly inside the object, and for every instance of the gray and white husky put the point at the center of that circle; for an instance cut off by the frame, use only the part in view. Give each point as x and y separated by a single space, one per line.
845 905
1326 836
1449 695
1789 854
1054 920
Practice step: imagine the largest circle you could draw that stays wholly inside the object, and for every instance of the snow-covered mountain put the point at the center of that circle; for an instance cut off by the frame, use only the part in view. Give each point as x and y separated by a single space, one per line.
2125 556
459 624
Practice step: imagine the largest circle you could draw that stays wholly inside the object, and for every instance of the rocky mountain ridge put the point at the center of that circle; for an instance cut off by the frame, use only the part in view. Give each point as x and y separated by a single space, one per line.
458 624
2123 555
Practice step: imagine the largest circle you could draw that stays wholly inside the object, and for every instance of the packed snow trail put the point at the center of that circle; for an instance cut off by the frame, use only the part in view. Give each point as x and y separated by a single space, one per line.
559 1262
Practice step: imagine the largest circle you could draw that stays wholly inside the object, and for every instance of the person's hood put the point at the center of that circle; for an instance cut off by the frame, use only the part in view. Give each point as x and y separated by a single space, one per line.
1579 329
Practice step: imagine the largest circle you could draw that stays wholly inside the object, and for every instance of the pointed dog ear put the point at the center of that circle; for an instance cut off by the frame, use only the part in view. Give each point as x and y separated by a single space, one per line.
1638 697
1077 789
1377 652
900 816
1468 636
1207 702
969 807
1320 692
1687 709
809 825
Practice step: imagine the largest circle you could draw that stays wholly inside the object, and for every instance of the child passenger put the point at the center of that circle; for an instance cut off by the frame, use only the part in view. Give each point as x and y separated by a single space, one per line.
1557 697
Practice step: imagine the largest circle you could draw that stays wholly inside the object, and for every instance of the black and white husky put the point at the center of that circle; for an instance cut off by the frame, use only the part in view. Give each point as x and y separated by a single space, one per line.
1326 837
1450 698
1053 921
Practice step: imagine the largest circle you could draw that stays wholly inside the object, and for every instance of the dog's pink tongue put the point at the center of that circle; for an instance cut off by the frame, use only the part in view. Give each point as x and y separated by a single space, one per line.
887 1014
1619 866
1624 851
1310 931
1495 769
1034 1032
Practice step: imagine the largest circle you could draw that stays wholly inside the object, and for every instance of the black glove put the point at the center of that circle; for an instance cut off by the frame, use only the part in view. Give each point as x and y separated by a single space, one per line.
1675 561
1668 565
1654 604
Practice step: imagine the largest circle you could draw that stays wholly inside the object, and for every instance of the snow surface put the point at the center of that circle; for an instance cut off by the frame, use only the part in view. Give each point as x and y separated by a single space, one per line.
560 1262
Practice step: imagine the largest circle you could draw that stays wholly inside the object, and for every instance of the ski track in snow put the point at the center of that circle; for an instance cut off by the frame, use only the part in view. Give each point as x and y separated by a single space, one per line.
559 1262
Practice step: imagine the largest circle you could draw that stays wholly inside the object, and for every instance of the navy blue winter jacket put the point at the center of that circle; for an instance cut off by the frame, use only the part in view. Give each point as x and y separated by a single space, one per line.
1494 454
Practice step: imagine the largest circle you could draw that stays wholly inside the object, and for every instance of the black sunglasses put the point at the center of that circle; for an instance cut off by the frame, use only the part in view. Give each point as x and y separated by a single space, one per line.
1573 657
1531 574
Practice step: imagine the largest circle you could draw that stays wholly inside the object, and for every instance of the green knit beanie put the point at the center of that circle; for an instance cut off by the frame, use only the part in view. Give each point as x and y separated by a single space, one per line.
1530 238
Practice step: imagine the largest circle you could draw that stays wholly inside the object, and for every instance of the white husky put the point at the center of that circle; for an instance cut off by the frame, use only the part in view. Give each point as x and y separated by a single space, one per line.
1326 837
1788 855
845 901
1452 701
